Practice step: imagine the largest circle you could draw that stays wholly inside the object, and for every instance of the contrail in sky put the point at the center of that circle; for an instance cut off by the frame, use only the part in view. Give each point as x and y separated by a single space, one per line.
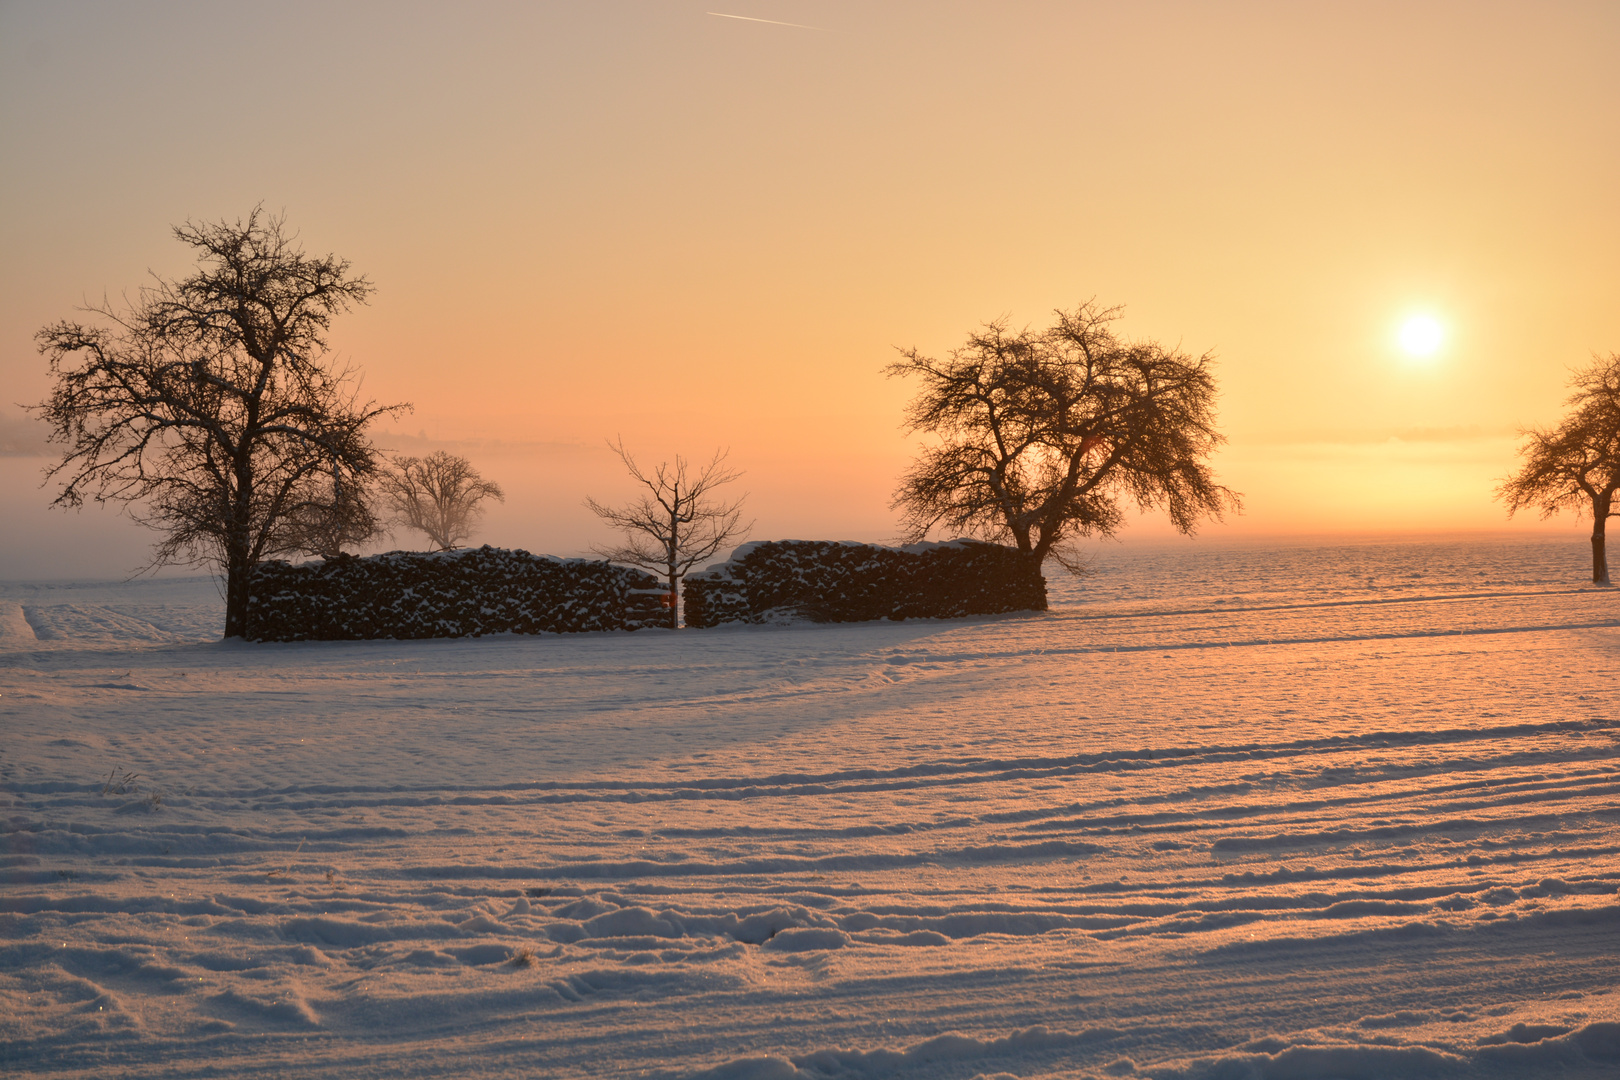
773 22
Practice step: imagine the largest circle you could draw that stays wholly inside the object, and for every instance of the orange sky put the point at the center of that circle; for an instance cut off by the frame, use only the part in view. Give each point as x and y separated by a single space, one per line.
640 218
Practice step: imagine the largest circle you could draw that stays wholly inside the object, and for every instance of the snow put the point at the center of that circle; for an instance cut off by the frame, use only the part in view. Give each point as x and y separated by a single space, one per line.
1242 811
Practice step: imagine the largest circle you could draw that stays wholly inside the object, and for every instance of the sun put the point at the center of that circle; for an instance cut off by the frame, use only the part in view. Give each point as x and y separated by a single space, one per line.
1421 335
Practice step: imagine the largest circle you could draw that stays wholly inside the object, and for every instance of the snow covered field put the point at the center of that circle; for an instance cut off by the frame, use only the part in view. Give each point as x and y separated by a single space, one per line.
1222 812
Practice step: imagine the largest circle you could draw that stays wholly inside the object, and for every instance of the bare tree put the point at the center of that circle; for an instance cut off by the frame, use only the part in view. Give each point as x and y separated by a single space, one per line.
1042 433
440 495
346 518
209 408
1576 464
677 523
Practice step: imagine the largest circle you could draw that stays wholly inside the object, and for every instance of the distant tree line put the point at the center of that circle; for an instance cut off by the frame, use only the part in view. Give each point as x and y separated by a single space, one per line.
210 407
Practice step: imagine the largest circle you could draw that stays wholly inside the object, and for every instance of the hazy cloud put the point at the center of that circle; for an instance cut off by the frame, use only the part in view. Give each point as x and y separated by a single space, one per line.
1365 436
400 442
22 436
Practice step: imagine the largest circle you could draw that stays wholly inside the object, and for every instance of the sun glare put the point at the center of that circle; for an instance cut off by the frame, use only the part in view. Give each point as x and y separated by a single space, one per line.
1421 335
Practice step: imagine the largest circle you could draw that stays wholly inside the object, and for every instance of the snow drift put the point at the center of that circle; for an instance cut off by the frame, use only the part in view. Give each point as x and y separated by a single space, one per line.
1276 813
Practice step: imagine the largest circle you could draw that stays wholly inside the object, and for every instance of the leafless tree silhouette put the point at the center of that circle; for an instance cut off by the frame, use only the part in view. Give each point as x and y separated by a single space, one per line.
1042 433
677 523
1576 464
440 495
209 408
345 518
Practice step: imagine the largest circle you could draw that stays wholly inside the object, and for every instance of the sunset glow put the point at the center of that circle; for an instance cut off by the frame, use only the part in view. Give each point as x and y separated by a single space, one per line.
816 540
705 228
1421 335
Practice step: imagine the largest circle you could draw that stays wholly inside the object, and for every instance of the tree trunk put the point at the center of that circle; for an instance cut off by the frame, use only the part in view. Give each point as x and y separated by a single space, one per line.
673 548
1037 566
236 597
239 534
1600 561
238 565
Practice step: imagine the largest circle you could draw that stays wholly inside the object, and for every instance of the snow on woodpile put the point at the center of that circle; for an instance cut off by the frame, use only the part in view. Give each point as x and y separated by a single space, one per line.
464 593
826 581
